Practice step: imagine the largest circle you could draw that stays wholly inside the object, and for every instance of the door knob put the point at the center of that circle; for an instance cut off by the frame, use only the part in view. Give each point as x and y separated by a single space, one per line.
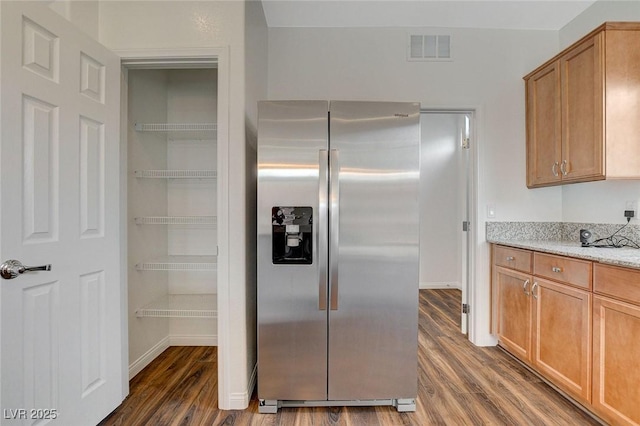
12 268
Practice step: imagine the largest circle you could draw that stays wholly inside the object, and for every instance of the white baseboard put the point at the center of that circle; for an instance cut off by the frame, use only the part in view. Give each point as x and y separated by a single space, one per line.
139 364
195 340
176 340
240 400
439 285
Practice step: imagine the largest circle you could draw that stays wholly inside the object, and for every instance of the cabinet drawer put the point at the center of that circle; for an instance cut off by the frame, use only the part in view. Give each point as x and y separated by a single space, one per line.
564 269
621 283
512 258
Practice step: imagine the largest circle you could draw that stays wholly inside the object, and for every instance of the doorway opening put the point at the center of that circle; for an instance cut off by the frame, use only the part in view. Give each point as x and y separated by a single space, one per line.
445 203
174 235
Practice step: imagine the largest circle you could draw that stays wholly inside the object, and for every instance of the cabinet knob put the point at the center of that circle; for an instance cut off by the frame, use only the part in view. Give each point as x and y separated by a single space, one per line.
510 258
556 269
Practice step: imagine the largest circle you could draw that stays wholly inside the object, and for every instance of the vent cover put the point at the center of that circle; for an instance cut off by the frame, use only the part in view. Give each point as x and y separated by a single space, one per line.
429 48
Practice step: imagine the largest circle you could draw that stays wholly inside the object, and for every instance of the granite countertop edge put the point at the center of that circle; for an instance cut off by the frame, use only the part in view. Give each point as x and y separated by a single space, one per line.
627 257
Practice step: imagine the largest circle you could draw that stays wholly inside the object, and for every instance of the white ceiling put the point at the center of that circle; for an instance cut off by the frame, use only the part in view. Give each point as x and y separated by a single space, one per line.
506 14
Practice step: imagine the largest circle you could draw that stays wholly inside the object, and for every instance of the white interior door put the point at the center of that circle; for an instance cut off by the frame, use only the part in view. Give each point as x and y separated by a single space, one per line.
60 334
465 123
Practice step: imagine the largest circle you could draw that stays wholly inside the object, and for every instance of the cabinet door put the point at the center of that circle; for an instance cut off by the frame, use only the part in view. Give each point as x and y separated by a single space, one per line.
543 126
562 336
582 77
616 351
513 311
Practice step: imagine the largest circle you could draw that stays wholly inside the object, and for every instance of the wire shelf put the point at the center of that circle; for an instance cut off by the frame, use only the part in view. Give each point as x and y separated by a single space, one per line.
180 263
175 127
181 306
181 131
176 174
176 220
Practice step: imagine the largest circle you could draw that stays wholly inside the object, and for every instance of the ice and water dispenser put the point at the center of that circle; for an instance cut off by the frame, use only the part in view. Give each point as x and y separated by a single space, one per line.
291 235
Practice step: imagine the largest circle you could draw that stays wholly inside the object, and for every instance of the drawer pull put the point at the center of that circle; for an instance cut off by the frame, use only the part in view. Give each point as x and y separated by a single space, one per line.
510 258
524 288
556 269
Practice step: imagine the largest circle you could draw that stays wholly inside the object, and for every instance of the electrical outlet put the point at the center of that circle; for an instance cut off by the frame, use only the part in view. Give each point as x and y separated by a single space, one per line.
630 209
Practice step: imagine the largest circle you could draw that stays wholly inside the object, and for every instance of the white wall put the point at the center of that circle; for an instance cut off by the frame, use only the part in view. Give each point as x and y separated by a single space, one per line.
83 14
442 174
487 71
599 202
598 13
191 24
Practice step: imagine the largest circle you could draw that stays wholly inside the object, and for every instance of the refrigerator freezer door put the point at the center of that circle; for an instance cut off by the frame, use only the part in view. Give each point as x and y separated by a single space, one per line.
292 312
373 330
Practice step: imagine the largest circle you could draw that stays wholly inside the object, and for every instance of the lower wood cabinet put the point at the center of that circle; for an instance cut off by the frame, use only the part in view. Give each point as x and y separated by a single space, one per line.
616 361
548 326
579 329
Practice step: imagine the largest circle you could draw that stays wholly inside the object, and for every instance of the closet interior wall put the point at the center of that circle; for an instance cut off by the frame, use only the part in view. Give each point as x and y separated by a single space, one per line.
172 191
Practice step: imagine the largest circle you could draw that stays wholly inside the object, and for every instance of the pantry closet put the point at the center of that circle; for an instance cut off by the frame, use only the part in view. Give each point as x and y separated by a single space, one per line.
172 240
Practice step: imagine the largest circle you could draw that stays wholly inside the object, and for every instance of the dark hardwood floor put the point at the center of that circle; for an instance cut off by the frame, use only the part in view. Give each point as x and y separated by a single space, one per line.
458 384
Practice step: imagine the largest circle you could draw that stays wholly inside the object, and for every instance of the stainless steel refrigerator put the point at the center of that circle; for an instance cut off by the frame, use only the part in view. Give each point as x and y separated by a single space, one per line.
337 253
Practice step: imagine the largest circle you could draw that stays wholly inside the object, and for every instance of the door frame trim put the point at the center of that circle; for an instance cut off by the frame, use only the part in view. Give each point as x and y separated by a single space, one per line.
213 57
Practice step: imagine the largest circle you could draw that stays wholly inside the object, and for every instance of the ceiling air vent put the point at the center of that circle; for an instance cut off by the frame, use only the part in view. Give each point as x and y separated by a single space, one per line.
429 48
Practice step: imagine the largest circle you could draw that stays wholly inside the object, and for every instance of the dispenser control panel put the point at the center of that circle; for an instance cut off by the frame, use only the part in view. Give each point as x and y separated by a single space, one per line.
291 235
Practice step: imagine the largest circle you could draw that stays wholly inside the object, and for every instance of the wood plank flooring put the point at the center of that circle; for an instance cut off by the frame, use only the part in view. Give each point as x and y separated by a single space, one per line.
459 384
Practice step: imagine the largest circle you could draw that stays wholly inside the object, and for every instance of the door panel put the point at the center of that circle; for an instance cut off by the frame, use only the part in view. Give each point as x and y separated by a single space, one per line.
92 182
544 137
61 333
513 313
582 104
292 323
40 124
373 323
563 353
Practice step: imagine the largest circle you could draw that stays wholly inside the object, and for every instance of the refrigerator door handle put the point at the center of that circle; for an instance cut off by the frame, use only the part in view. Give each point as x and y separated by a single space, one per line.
334 220
322 228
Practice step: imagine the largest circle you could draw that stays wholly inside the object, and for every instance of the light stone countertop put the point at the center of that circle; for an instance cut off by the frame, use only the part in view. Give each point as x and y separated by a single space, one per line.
627 257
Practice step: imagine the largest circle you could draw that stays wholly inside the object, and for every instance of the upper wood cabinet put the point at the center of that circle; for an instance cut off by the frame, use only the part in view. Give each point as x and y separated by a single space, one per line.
582 108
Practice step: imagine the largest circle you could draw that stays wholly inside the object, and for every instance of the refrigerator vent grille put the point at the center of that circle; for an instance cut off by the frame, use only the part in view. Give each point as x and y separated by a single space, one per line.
429 48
